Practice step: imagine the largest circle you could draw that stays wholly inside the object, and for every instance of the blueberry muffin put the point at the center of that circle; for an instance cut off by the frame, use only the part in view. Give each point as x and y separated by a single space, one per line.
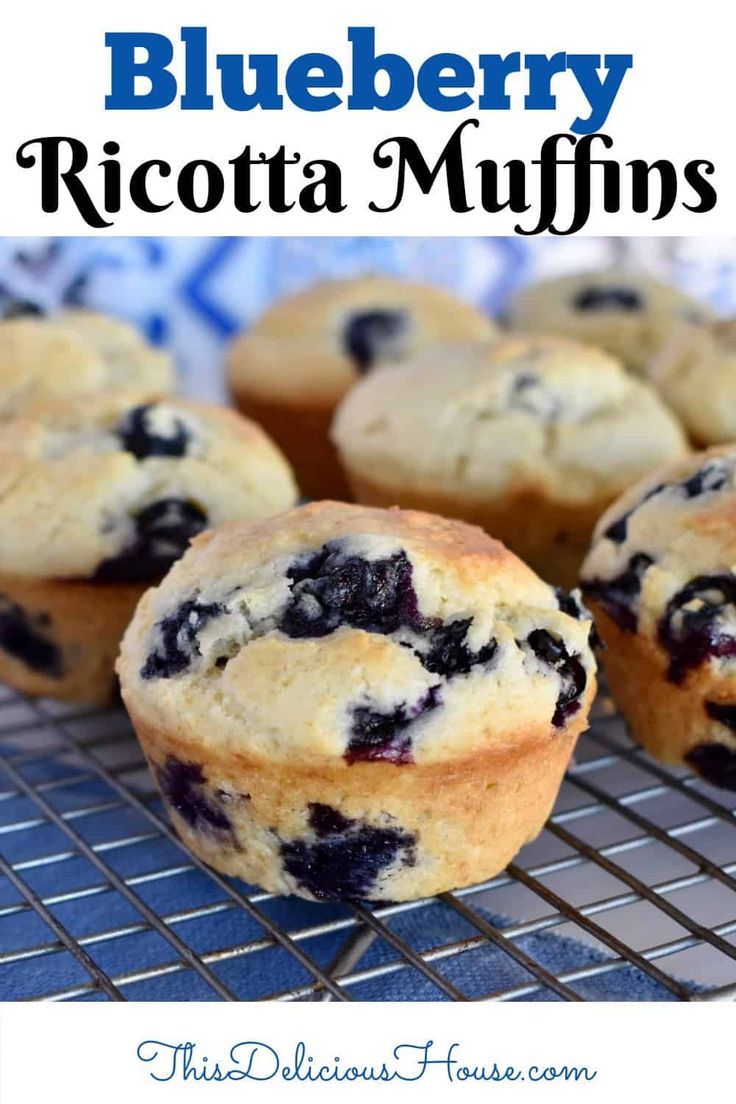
290 370
695 372
98 497
661 580
529 437
77 353
626 313
344 702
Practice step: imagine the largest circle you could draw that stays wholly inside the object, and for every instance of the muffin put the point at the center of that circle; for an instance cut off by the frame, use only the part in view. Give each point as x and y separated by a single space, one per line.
531 438
290 370
344 702
661 580
695 372
97 498
626 313
77 353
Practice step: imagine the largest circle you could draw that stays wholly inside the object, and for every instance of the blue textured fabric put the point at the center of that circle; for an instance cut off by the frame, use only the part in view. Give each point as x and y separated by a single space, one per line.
192 294
478 972
158 871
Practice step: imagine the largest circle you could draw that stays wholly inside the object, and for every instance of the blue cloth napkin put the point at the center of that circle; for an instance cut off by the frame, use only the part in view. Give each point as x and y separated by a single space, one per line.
192 294
96 908
476 973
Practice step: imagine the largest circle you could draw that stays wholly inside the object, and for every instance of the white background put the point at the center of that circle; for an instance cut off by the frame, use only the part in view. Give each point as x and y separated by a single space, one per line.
674 104
640 1052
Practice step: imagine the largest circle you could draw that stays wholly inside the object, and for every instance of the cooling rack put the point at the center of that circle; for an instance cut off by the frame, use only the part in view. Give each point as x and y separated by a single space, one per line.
629 892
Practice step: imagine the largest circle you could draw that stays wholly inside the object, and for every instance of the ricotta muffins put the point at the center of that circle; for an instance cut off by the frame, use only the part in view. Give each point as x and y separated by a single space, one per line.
290 370
77 353
97 498
627 313
531 438
695 372
344 702
661 580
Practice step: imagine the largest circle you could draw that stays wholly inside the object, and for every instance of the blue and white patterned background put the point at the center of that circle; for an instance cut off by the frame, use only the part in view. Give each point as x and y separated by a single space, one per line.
192 294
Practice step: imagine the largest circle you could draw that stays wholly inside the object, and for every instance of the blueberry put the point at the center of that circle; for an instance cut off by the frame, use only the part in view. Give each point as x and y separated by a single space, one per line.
377 735
693 635
619 595
142 440
524 381
178 636
618 530
529 394
714 762
608 299
332 589
347 856
520 388
25 637
551 650
370 335
182 784
20 308
713 476
326 821
163 532
569 602
449 653
725 714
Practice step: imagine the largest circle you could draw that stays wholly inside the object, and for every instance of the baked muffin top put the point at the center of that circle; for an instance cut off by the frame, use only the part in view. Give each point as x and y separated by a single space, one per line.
695 371
113 487
312 346
412 638
525 414
627 313
663 561
75 353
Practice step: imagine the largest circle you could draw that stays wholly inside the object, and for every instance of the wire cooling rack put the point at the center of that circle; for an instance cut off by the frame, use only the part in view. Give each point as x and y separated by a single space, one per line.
98 900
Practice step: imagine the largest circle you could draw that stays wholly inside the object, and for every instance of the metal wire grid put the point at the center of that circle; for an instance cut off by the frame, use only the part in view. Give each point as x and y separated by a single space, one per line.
98 900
